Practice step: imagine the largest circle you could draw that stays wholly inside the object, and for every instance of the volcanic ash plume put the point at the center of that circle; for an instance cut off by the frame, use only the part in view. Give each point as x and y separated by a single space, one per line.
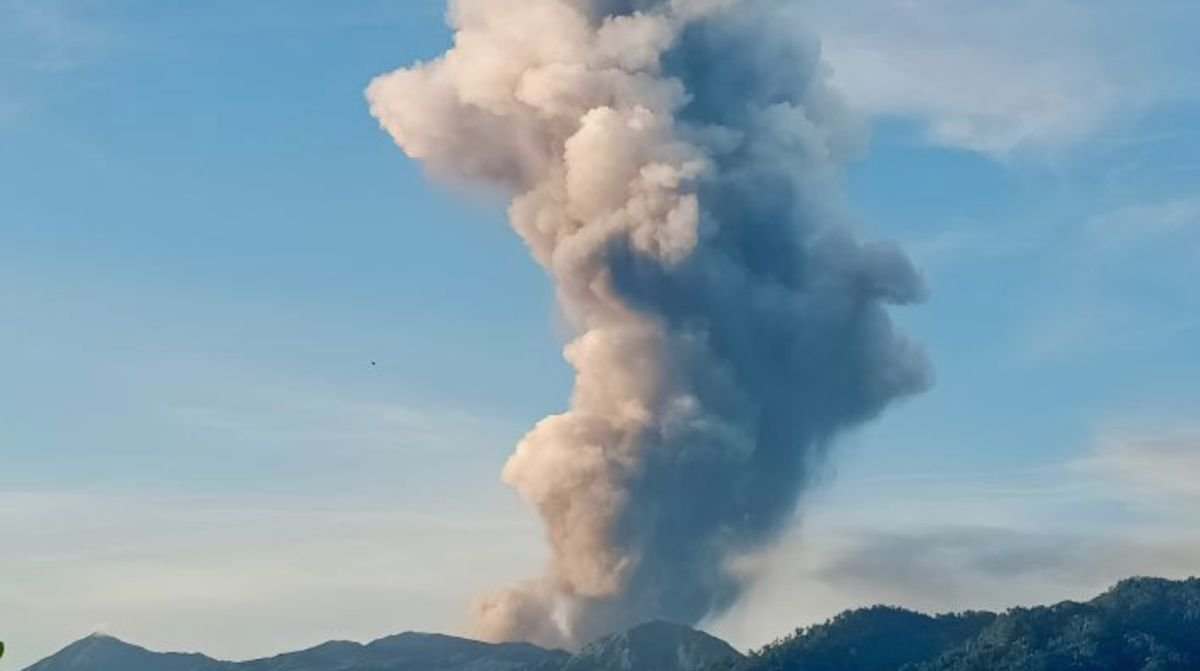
675 167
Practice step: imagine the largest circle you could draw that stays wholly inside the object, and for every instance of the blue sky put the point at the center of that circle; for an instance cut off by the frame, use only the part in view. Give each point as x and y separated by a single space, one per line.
205 240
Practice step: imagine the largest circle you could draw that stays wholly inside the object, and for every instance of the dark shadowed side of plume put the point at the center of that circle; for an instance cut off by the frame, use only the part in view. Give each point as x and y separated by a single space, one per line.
777 322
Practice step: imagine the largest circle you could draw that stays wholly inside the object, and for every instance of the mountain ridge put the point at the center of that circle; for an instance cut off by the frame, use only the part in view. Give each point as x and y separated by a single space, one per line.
656 645
407 651
1141 624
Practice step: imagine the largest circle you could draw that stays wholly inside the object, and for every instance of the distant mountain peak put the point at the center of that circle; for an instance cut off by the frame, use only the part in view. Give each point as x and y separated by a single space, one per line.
104 652
101 637
653 646
1142 623
667 627
412 651
99 643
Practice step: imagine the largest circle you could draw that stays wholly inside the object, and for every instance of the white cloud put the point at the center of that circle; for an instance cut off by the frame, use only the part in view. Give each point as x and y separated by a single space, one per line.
940 543
270 515
943 569
52 36
242 577
969 243
41 40
1123 281
1145 222
1154 464
995 76
274 417
1084 328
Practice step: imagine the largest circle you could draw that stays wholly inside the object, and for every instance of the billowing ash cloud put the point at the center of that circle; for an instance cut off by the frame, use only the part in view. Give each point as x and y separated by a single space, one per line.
675 168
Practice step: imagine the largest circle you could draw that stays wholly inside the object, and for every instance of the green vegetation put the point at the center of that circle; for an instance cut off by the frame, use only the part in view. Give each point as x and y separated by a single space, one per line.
1140 625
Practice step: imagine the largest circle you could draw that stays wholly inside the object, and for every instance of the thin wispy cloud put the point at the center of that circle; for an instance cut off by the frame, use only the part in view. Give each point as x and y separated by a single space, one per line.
52 36
1073 327
945 568
222 573
995 77
1103 265
1145 223
42 42
272 416
968 243
1158 464
954 567
942 542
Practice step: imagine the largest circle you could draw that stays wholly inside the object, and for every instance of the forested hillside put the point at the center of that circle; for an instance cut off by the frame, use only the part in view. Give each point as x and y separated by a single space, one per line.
1140 625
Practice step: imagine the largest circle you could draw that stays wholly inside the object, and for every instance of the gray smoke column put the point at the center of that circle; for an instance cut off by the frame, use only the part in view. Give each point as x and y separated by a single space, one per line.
675 165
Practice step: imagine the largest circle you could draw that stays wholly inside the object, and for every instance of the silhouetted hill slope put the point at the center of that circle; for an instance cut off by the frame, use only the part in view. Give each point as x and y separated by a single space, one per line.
404 652
655 646
331 656
873 639
105 653
411 652
1140 625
